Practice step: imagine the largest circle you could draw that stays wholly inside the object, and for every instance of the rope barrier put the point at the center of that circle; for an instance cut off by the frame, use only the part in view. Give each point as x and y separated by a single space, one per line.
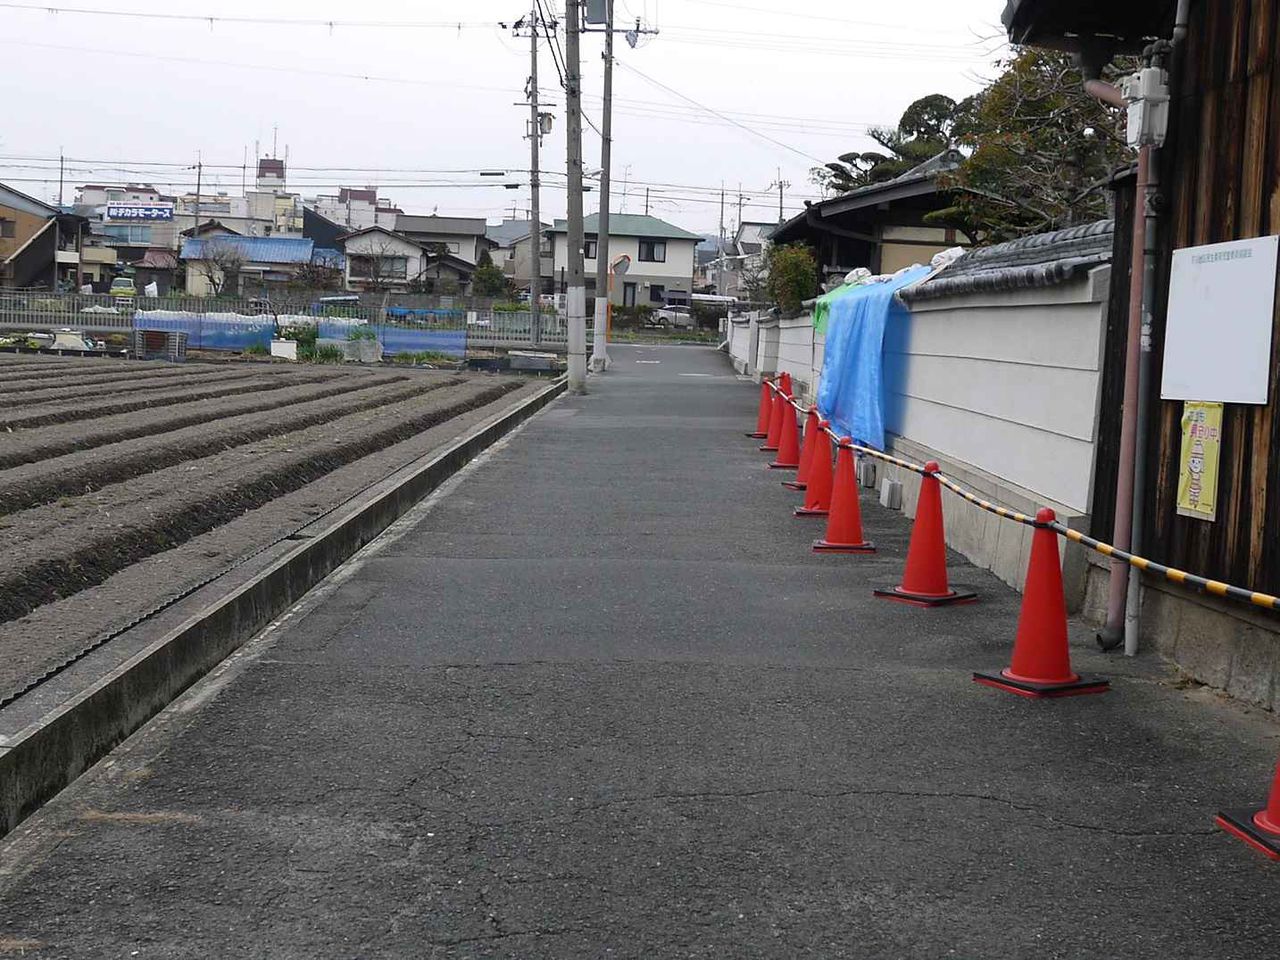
1172 574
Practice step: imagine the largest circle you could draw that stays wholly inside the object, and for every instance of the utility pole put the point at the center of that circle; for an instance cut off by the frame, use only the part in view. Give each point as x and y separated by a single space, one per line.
535 183
720 248
646 201
61 168
195 231
600 342
781 185
576 295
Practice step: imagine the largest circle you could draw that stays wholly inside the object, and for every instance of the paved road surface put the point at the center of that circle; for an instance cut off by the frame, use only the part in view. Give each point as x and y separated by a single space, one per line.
601 701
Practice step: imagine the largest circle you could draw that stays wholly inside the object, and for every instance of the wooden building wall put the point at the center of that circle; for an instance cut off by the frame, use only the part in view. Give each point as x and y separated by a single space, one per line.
1221 181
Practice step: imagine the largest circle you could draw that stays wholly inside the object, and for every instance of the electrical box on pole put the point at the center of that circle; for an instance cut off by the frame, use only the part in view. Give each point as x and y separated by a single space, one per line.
1147 95
595 11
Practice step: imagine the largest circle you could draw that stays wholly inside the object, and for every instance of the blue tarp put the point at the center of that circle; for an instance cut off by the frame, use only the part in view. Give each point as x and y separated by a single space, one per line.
852 392
210 331
398 339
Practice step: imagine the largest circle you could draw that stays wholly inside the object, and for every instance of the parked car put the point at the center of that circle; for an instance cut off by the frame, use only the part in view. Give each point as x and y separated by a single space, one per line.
676 317
123 287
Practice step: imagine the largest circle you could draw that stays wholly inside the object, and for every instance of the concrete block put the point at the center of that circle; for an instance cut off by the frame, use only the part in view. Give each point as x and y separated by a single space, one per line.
1253 665
1192 635
867 473
891 495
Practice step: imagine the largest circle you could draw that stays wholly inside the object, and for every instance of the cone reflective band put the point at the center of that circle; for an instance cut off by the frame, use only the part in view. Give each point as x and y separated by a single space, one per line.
788 441
844 522
924 581
817 498
765 412
775 420
806 451
1041 665
1260 829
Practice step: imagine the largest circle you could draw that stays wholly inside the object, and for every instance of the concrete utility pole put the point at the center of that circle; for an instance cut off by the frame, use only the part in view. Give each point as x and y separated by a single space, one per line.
600 344
199 176
535 183
576 295
720 248
646 201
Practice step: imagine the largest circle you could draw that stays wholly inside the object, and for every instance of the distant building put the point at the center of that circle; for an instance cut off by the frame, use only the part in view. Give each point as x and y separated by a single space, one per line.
44 247
356 208
514 253
661 268
382 259
462 237
219 261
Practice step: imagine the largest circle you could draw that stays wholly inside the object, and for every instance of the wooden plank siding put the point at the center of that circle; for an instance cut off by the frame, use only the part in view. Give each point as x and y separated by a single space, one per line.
1220 172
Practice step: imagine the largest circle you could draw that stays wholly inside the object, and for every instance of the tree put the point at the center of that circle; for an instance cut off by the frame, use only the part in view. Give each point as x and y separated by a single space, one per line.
488 279
1040 152
923 131
220 264
317 276
381 264
793 275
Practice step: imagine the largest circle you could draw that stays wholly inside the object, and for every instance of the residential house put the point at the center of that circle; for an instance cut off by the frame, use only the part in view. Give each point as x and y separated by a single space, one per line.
514 253
661 255
40 245
382 259
462 237
743 262
219 261
881 226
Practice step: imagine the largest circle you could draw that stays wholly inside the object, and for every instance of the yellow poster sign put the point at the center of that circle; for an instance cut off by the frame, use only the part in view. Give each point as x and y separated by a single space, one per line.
1198 465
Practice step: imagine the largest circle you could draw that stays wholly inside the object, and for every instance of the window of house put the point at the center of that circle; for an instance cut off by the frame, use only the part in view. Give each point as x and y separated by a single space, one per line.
653 251
379 268
590 246
657 293
7 228
128 233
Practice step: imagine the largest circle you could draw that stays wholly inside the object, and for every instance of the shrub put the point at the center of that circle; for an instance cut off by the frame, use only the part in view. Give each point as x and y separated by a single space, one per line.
327 353
793 275
257 350
362 332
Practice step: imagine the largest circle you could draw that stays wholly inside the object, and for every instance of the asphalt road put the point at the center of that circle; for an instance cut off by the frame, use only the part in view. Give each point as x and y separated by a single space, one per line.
598 699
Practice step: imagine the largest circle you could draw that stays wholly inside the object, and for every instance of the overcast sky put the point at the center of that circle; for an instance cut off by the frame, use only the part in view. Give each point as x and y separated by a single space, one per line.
402 100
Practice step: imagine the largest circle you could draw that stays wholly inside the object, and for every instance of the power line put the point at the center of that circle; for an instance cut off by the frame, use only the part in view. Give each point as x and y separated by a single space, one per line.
912 27
716 113
212 19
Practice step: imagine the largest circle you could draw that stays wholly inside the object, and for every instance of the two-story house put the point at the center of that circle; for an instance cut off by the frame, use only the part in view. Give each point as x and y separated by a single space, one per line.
514 254
661 255
462 237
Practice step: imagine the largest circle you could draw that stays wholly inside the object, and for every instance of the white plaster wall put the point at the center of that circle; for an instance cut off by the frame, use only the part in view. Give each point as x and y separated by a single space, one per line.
1007 383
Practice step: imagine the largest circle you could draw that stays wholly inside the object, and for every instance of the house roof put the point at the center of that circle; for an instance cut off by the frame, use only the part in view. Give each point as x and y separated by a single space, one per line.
20 201
920 180
253 249
467 226
631 225
509 231
157 260
207 226
380 229
1072 24
1042 260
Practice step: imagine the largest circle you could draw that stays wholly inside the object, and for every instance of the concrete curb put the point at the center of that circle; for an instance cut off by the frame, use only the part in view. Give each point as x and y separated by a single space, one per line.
48 754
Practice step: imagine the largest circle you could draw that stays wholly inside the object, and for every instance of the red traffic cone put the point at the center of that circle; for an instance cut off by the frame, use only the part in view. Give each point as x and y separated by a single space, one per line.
765 413
775 420
806 451
788 441
924 582
844 523
817 498
1041 665
1260 829
784 381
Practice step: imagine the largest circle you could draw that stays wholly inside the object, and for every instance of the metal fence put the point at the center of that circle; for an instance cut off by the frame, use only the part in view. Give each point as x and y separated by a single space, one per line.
216 323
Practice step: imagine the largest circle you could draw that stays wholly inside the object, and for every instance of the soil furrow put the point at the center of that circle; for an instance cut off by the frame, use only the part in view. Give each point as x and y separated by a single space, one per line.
85 471
138 373
44 569
55 413
31 446
129 385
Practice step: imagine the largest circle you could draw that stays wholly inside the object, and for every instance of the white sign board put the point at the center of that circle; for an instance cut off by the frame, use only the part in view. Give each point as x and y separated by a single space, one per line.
1218 337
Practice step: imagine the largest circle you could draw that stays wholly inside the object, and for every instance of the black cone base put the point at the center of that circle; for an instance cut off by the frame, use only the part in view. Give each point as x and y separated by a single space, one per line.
927 600
1239 823
1040 691
822 546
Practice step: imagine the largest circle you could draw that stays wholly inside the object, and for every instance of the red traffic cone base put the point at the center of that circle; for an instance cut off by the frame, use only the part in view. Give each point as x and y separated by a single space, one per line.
1041 665
817 498
765 412
924 582
844 522
806 451
1260 829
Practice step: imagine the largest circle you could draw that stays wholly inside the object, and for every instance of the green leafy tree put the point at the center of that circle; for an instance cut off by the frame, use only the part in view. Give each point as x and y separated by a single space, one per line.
923 131
793 275
1040 151
488 280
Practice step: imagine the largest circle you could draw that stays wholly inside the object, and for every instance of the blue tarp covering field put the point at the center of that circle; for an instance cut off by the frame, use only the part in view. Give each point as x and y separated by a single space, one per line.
396 339
210 331
852 394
